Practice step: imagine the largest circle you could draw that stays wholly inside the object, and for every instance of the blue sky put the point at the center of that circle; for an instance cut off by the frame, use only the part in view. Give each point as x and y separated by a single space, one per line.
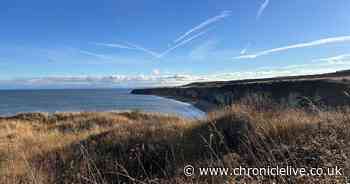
111 43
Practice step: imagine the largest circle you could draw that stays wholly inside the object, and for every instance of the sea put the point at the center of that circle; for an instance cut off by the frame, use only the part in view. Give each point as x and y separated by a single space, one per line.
13 102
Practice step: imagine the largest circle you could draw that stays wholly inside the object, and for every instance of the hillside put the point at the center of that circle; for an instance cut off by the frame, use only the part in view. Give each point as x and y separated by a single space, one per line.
324 89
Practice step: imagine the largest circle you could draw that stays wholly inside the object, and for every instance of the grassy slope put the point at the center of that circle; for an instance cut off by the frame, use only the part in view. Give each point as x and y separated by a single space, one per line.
149 148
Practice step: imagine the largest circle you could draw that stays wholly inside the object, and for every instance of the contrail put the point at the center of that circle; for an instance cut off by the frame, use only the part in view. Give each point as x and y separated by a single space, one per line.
245 49
182 43
147 51
100 56
262 8
129 46
204 24
182 40
160 55
114 45
301 45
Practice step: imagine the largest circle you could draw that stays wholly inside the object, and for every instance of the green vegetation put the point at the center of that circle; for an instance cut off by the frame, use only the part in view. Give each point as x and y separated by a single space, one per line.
149 148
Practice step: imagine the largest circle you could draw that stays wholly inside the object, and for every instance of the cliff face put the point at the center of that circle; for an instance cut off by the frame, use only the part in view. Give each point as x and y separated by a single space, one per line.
208 96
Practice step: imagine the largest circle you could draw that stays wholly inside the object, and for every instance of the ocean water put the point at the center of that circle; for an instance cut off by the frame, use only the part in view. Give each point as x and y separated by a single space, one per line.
19 101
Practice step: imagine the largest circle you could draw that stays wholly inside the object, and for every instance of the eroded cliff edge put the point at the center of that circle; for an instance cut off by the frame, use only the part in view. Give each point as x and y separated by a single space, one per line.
327 89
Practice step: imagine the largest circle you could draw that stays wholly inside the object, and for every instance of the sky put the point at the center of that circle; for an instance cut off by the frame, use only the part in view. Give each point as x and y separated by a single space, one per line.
133 43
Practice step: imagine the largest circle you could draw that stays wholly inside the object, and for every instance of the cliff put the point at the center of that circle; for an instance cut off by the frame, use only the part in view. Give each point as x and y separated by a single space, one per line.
326 89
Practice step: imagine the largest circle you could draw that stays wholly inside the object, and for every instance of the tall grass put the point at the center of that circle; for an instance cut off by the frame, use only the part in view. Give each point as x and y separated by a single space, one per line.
148 148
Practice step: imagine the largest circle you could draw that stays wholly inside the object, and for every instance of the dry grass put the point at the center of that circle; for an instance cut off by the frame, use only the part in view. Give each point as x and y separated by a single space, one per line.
148 148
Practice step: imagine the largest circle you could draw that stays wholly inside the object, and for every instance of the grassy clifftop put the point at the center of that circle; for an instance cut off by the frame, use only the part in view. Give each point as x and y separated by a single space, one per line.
150 148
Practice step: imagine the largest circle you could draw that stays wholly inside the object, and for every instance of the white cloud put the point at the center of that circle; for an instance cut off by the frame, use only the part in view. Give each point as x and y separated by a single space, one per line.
341 59
157 79
262 8
301 45
156 72
204 24
102 81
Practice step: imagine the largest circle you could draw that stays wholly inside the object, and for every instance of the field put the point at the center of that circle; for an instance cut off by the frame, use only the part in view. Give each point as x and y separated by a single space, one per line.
151 148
